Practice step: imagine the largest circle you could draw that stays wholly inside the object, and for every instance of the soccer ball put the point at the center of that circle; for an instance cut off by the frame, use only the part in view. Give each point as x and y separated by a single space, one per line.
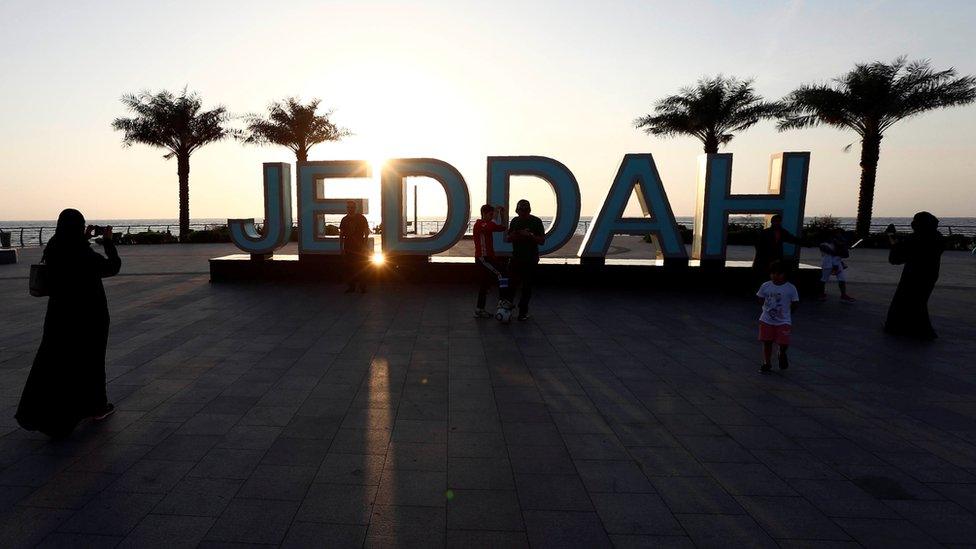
504 312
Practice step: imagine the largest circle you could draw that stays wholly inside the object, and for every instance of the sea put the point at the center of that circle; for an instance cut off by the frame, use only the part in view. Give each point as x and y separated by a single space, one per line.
35 233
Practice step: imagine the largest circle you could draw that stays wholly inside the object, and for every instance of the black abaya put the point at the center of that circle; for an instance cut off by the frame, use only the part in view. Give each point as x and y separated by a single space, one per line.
67 380
908 314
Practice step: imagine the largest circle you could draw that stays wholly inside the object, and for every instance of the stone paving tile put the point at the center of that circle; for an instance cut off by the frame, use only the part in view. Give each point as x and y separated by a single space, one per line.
565 529
753 479
168 531
463 539
666 542
152 476
635 514
27 526
552 492
253 521
338 503
841 498
480 473
723 531
62 540
790 518
406 526
408 487
943 520
696 495
612 476
111 513
484 510
202 497
883 533
317 534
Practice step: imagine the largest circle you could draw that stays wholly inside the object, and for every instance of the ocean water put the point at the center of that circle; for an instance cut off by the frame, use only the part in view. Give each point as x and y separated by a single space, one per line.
33 233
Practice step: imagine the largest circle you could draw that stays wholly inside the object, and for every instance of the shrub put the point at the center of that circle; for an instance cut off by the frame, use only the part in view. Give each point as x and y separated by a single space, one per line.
820 229
208 236
147 237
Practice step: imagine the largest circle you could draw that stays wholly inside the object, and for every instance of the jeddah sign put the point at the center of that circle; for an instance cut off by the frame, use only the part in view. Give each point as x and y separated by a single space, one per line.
786 195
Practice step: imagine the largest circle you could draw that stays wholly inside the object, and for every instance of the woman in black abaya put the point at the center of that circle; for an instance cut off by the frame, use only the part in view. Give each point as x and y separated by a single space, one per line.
67 380
921 253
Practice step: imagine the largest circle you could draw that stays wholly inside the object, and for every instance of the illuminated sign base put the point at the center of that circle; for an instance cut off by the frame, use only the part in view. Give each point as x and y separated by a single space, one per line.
648 274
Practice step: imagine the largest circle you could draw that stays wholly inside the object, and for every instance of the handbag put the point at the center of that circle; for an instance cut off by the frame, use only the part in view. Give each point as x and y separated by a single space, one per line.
39 280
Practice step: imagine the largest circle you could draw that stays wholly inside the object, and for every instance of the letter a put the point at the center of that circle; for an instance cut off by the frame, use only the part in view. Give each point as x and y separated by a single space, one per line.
635 170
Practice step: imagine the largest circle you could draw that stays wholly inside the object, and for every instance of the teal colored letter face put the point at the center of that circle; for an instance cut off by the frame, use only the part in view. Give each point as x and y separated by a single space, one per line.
277 214
787 196
639 170
312 204
563 183
394 206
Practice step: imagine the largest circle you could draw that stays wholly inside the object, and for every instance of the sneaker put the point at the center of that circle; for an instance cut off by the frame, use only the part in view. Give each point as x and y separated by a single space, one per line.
481 313
847 299
784 362
523 316
822 297
107 411
765 368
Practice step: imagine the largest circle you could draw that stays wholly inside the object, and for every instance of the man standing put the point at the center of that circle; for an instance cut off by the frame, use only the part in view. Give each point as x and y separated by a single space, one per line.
490 269
525 232
353 234
769 247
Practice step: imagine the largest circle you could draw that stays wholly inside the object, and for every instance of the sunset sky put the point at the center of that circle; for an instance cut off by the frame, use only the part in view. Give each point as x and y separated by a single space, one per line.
459 81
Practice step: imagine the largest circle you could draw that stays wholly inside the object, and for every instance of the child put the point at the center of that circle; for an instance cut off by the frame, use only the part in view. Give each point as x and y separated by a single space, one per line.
779 299
833 253
491 270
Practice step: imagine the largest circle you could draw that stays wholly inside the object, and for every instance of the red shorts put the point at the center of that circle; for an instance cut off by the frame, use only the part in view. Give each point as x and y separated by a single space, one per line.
779 334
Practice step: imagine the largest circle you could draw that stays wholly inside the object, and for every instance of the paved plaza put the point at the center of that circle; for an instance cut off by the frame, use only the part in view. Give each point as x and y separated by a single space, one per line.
296 415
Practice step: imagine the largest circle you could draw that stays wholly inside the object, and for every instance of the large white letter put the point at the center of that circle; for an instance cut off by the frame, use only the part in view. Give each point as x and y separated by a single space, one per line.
394 205
277 215
563 183
787 195
312 204
635 170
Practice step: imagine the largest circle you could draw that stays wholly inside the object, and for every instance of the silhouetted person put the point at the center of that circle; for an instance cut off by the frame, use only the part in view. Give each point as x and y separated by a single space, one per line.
921 254
67 380
525 232
769 246
353 235
491 271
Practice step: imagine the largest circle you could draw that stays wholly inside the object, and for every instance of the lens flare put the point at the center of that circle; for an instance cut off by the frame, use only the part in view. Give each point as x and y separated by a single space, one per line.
378 259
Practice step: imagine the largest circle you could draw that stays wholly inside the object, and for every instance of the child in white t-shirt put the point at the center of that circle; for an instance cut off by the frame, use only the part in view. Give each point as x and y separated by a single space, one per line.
833 253
779 299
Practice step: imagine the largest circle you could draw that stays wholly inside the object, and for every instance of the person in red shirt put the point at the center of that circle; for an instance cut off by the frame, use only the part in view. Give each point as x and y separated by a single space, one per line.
490 268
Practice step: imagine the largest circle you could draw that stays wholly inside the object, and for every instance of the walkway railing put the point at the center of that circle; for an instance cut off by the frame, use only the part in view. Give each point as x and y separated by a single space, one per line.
37 236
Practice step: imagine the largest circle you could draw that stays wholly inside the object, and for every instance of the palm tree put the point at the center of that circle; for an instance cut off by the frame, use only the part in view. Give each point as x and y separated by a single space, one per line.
712 111
294 125
175 123
870 99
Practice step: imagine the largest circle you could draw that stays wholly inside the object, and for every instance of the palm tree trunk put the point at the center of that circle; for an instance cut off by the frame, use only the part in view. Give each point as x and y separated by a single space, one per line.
870 151
301 155
711 144
183 170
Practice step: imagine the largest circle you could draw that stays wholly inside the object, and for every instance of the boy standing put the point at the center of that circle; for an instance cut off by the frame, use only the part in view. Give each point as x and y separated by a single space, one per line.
833 253
353 235
490 269
525 233
779 299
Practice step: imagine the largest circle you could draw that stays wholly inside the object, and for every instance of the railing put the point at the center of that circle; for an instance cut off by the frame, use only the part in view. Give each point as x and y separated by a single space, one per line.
35 236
